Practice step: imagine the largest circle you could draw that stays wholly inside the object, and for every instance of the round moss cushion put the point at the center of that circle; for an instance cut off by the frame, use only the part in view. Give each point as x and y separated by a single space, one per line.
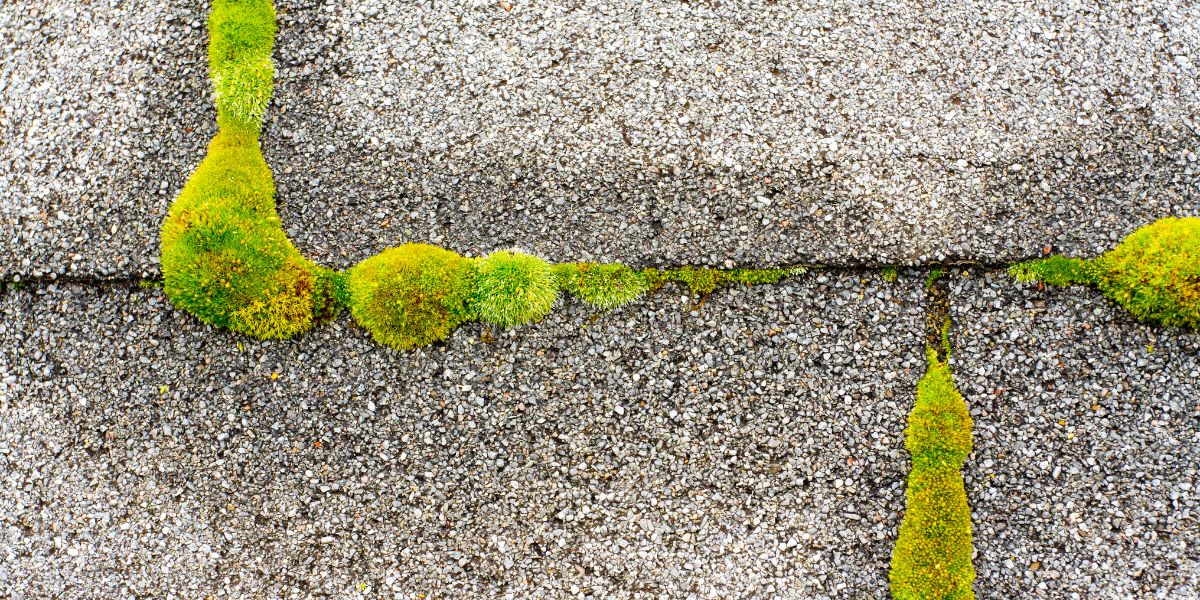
412 295
1155 272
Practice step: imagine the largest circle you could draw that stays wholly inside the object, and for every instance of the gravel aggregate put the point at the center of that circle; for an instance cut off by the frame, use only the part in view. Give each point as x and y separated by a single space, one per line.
104 110
1084 479
653 132
747 447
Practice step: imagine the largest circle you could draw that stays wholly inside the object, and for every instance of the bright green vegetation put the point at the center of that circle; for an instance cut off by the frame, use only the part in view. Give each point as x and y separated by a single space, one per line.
602 285
935 274
1056 270
513 288
1154 273
703 281
241 40
225 257
932 558
890 274
411 296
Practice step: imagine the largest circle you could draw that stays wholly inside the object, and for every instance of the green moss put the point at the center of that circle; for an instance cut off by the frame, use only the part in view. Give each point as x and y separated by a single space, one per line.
225 257
514 288
602 285
890 274
241 40
1155 272
934 274
703 281
1055 270
411 296
932 557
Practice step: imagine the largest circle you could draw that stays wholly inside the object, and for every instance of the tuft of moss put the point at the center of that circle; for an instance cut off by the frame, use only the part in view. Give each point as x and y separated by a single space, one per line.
932 557
412 295
225 256
602 285
704 281
890 273
514 288
241 40
1055 270
1155 272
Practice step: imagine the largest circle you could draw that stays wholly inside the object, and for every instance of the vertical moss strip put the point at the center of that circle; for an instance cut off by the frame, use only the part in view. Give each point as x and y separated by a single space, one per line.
225 256
932 557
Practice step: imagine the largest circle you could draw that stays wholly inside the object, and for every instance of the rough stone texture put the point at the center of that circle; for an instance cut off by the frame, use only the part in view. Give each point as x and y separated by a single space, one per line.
749 447
104 110
753 132
1084 479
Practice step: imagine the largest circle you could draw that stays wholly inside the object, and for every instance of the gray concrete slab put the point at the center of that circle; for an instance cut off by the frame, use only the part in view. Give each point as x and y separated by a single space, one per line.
1084 481
752 132
748 447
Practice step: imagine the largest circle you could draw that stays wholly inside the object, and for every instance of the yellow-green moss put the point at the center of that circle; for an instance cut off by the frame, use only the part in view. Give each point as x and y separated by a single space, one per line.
1154 273
225 257
241 40
1055 270
704 281
602 285
932 557
411 296
514 288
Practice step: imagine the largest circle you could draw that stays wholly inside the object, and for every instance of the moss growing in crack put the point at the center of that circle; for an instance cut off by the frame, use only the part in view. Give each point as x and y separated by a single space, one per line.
225 257
890 273
1055 270
1154 273
241 40
934 274
602 285
704 281
410 296
932 557
514 288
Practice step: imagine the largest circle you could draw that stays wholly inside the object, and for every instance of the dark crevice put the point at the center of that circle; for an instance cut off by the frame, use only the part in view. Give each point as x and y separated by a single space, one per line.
937 319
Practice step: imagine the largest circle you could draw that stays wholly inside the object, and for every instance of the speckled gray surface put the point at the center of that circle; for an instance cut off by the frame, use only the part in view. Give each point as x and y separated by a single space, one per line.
1084 482
752 132
750 448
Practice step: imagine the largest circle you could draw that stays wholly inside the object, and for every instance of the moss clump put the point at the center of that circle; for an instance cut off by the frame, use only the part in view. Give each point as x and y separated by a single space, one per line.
603 285
704 281
514 288
1056 270
412 295
225 257
932 558
1155 272
890 274
241 40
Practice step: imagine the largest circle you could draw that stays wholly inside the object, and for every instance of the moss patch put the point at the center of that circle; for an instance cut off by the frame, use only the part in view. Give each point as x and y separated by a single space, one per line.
411 296
225 257
704 281
241 40
602 285
1154 273
514 288
932 557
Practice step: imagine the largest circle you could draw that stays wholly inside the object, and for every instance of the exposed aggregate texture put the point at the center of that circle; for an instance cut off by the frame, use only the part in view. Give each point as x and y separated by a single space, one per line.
751 447
657 132
1083 483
